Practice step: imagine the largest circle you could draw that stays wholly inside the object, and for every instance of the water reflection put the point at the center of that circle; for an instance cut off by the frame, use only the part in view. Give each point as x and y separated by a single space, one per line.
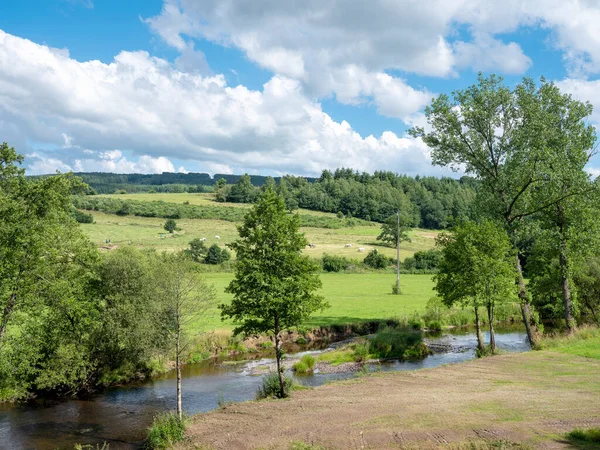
120 416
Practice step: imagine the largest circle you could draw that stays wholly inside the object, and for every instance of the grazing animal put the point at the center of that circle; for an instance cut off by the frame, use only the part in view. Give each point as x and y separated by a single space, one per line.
348 245
203 239
217 237
361 249
312 245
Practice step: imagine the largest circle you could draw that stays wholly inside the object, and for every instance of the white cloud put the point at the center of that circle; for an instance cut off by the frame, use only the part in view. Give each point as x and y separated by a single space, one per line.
487 54
145 106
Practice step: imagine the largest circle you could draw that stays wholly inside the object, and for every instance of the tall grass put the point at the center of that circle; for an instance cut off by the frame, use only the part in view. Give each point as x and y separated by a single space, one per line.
166 430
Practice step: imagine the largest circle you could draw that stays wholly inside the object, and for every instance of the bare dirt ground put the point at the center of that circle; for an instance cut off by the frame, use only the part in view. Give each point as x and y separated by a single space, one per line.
531 398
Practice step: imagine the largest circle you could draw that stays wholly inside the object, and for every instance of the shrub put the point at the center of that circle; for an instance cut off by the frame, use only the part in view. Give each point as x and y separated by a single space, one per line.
333 263
361 352
166 430
434 325
197 250
270 386
301 340
300 367
591 435
170 225
309 360
216 255
376 260
416 324
396 343
82 217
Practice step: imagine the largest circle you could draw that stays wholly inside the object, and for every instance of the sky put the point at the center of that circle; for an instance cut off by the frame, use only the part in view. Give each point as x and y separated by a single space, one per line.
267 86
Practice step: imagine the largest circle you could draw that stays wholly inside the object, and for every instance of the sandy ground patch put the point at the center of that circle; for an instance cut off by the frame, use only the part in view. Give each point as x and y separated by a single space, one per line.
531 398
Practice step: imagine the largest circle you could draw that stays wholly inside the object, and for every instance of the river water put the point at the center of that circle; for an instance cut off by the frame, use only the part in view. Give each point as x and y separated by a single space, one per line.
121 416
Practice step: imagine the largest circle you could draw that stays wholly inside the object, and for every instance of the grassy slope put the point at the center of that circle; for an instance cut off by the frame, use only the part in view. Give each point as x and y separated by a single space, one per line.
353 298
146 232
532 398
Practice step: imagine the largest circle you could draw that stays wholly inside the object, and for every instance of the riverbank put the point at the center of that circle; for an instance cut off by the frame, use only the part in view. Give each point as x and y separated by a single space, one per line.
529 398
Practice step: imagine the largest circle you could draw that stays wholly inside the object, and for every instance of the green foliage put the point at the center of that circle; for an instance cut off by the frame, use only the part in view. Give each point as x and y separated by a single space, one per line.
362 351
477 265
398 343
82 217
591 435
170 225
309 360
243 191
166 430
376 260
332 263
394 229
434 325
274 282
197 250
423 260
434 203
300 367
270 387
217 255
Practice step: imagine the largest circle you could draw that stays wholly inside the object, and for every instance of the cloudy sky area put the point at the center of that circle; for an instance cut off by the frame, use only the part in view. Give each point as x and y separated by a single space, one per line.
266 86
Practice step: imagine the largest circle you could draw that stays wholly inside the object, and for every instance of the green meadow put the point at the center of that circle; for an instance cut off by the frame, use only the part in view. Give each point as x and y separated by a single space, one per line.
353 297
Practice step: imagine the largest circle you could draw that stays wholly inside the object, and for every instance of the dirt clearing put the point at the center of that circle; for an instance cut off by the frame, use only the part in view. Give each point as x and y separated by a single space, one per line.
531 398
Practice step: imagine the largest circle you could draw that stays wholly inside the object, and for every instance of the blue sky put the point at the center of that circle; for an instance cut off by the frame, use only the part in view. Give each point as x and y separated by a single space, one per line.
265 87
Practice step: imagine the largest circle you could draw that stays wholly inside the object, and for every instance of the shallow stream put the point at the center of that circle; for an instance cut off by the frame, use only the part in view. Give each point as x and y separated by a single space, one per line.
120 416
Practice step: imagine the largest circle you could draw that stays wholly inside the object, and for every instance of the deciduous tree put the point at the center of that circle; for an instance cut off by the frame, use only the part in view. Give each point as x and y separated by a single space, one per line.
274 284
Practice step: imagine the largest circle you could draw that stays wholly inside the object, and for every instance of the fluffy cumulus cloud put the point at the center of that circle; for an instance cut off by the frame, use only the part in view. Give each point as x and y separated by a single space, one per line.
83 111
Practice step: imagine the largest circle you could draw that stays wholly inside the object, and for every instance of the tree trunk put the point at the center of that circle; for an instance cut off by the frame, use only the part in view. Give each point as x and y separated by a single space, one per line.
178 364
530 327
490 310
282 393
564 273
480 345
398 256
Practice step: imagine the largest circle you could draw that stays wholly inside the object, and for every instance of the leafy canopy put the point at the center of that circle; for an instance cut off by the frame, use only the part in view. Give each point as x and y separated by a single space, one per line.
274 282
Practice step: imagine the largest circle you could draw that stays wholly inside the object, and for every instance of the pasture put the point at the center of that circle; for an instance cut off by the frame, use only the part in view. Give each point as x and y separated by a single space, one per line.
353 297
146 232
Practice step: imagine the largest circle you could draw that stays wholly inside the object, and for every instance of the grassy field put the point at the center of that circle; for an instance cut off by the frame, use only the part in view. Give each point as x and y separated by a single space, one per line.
146 232
353 298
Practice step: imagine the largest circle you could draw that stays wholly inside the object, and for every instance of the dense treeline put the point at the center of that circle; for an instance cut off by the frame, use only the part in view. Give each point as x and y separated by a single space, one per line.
108 183
429 202
168 210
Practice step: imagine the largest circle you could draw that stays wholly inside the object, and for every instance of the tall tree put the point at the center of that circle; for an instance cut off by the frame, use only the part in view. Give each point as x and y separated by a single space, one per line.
477 268
185 299
274 284
520 143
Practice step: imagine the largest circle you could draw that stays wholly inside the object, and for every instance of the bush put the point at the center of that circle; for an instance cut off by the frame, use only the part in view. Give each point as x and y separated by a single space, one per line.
270 386
434 325
309 360
592 435
170 225
376 260
166 430
305 365
82 217
333 263
397 343
361 352
216 255
197 250
300 367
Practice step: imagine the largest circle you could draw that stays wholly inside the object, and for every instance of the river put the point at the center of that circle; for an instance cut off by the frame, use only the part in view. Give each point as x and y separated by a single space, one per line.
120 416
